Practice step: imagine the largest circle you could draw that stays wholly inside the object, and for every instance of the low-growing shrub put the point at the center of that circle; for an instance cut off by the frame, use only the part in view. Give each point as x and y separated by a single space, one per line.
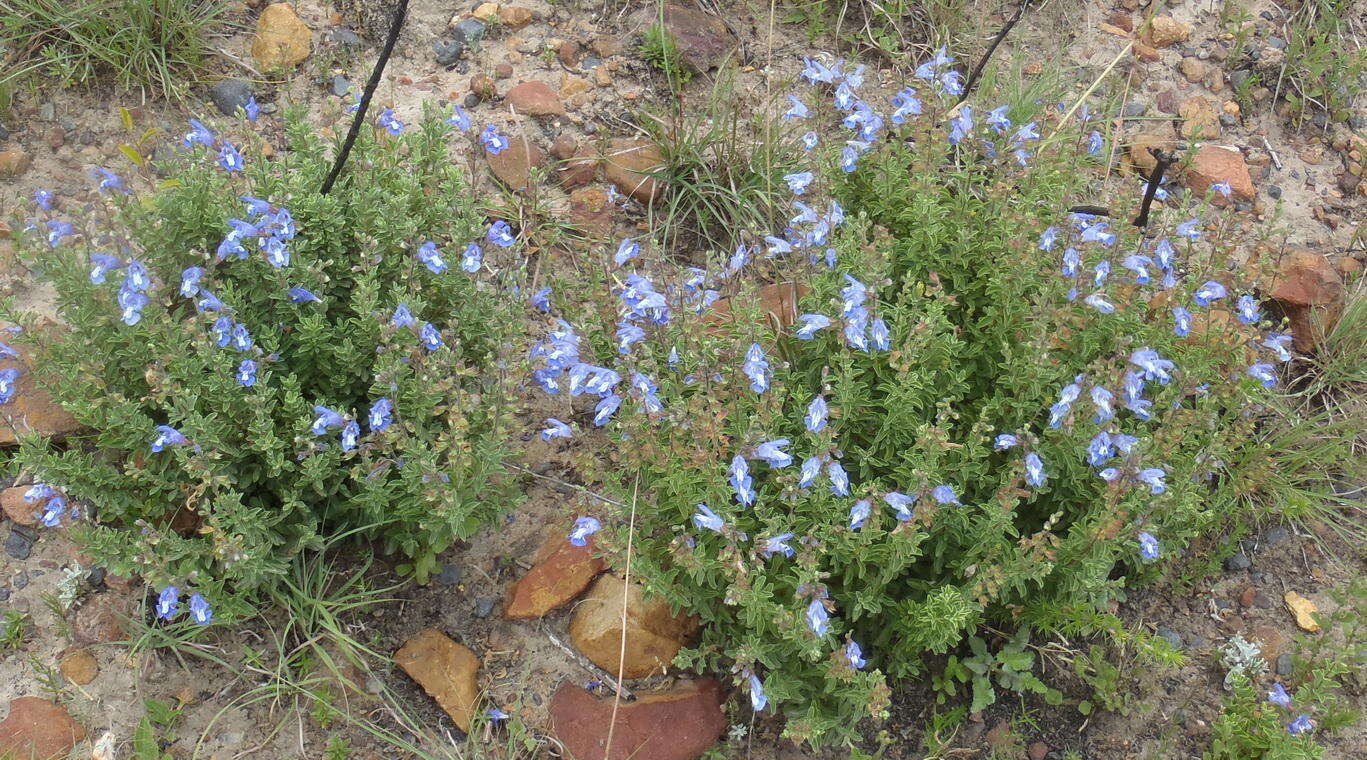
985 409
258 366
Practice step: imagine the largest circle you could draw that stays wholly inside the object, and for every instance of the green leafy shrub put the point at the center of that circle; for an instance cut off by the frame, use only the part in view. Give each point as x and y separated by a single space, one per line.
265 355
955 250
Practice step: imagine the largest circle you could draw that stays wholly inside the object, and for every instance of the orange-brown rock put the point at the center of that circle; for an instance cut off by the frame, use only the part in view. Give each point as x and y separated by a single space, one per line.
777 303
513 165
282 38
633 166
445 670
1310 291
79 667
653 634
590 210
679 724
38 729
535 98
31 410
1218 163
560 573
16 509
100 620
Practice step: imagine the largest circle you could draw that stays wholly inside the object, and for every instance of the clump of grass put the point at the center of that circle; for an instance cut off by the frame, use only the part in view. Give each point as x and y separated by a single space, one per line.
1326 63
13 630
659 49
154 45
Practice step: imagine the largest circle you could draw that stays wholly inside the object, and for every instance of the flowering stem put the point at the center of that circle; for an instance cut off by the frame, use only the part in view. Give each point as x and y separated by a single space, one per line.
400 13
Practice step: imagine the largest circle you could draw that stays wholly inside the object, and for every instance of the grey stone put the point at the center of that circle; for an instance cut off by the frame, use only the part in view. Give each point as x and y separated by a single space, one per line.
471 100
1284 664
1276 42
1199 642
1277 534
448 51
230 95
1247 545
47 111
345 37
589 64
4 594
1172 637
17 545
449 575
1319 120
1357 121
1239 77
19 581
470 31
484 607
1276 192
1134 109
340 85
4 132
373 684
96 576
1238 561
1228 120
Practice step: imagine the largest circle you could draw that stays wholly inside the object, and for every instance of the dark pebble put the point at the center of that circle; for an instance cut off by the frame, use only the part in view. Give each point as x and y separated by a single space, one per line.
1228 120
96 577
472 100
1238 77
1199 642
1238 562
4 595
1319 120
1172 637
340 85
470 31
1135 109
1284 665
19 581
345 37
1276 534
1248 544
1262 601
230 94
1276 42
448 51
1356 121
589 64
1275 191
449 575
484 607
4 132
17 545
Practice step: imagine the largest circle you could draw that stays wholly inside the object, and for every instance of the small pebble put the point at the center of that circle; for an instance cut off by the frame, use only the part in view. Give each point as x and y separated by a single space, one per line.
484 607
1172 637
1135 109
19 581
1276 192
340 85
448 51
449 575
1238 561
472 100
1284 665
1276 534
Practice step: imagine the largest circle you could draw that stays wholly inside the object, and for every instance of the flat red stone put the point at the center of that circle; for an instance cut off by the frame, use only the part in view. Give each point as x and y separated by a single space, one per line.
680 724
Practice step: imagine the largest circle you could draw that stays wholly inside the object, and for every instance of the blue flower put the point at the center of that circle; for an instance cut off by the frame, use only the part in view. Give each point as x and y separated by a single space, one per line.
431 257
1099 232
301 295
859 513
902 505
1301 725
1148 546
381 415
208 302
844 97
798 109
773 454
350 433
327 418
200 610
168 603
583 528
929 69
108 180
627 250
1098 301
809 140
1153 476
1109 474
1094 143
706 518
189 281
808 324
1277 343
776 545
953 82
849 156
798 181
1249 313
251 109
390 122
1152 364
430 337
1181 321
856 328
459 118
878 333
137 277
944 494
1139 265
758 699
907 104
277 254
43 199
1027 131
402 317
606 407
1263 373
102 264
811 468
816 415
53 511
493 142
167 436
1188 229
1100 449
229 158
840 480
740 480
1223 188
1278 695
961 125
198 134
1034 470
246 373
1048 238
996 118
855 655
241 337
756 368
56 230
1102 399
500 234
817 618
1005 441
541 299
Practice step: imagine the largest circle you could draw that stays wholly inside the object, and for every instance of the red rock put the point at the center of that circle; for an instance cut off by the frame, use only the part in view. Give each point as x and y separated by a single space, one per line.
630 165
535 99
31 410
564 146
578 170
39 729
1310 291
569 53
560 573
680 724
514 16
1038 750
445 670
653 634
100 620
1218 163
1121 19
703 40
514 164
778 303
16 509
591 212
14 161
1146 53
1246 598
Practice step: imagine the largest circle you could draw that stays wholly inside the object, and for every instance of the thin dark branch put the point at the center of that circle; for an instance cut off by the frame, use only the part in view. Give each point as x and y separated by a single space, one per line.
1164 160
400 13
982 62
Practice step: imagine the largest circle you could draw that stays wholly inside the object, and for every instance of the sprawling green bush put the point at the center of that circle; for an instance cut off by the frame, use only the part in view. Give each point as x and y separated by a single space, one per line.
957 248
235 347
